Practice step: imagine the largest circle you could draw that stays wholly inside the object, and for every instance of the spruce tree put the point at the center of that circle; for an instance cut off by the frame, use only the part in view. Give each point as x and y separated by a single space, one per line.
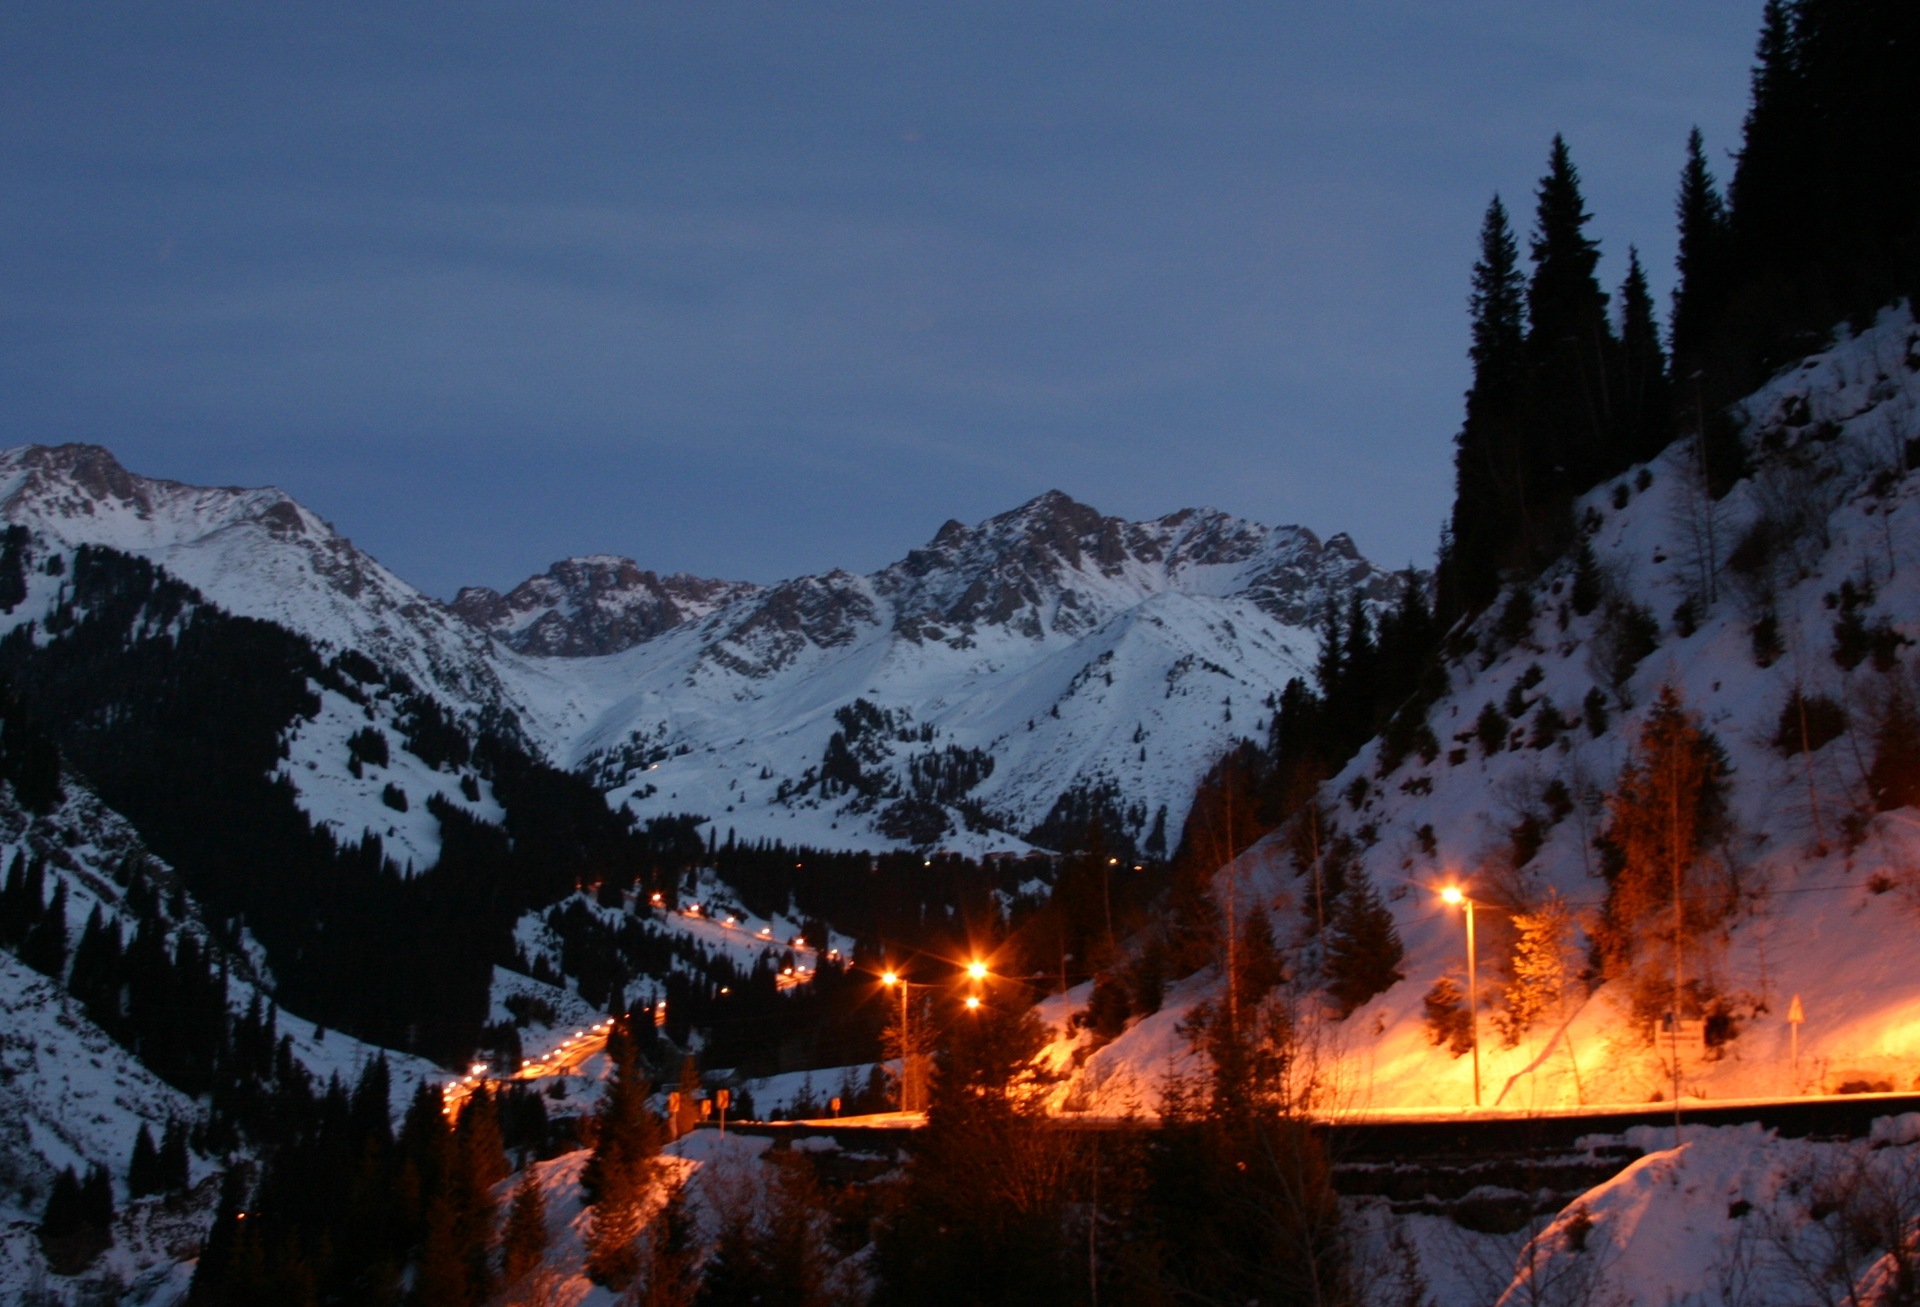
1701 259
1666 807
1570 350
175 1167
96 978
65 1212
143 1171
1363 947
619 1174
1645 400
523 1244
45 947
1490 481
18 912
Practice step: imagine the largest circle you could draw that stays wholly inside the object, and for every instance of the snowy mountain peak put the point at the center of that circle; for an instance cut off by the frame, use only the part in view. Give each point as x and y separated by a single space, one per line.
1055 565
256 553
599 604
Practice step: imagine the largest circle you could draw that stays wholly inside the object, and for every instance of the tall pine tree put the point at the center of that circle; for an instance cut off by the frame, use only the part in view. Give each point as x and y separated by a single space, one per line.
1645 400
1490 481
1700 260
1570 350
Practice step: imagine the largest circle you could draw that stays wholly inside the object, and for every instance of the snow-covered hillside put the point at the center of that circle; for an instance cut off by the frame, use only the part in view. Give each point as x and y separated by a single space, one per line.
1806 577
71 1096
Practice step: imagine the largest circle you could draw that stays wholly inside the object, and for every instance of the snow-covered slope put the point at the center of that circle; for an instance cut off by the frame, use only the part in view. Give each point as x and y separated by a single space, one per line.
1749 598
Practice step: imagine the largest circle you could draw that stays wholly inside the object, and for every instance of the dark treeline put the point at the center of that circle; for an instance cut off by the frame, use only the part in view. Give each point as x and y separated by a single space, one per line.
1820 224
178 713
340 1205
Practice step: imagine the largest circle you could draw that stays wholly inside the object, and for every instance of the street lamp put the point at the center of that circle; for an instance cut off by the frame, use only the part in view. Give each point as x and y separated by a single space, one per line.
891 979
1452 897
977 970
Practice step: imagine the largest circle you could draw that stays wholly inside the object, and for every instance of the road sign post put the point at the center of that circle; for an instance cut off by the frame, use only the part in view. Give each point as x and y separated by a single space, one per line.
1796 1017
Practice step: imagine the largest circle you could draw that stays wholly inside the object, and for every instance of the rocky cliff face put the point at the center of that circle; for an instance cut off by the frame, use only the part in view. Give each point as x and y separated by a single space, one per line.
1052 568
600 604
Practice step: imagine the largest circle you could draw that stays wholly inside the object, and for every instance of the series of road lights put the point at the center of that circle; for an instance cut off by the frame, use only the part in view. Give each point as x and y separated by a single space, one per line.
456 1092
788 976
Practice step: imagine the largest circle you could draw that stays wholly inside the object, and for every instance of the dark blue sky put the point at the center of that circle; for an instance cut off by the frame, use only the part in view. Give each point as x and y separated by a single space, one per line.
752 290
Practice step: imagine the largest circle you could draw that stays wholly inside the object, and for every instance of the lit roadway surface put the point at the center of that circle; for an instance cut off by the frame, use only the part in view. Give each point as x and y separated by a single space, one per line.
728 931
566 1057
1412 1133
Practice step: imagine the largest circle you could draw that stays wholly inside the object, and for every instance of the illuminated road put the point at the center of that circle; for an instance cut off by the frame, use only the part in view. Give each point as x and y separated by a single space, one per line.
563 1059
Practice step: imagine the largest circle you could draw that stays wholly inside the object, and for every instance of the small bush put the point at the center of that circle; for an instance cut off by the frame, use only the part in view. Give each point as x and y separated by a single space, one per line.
1516 618
1448 1021
1594 710
1807 724
1767 645
1491 729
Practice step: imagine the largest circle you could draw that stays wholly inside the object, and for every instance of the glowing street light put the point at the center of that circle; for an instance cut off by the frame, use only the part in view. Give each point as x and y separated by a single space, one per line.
977 970
973 1002
1453 898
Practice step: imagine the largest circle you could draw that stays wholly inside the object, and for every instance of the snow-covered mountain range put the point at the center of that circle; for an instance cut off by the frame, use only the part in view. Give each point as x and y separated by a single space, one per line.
1006 682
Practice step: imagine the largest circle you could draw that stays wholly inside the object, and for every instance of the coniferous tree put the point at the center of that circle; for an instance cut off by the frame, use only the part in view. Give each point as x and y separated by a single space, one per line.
175 1167
1363 946
1824 197
143 1170
1491 490
618 1175
96 1198
523 1244
1667 806
986 1133
96 978
1645 401
445 1278
18 909
1701 258
1570 350
687 1114
479 1163
668 1276
45 947
65 1211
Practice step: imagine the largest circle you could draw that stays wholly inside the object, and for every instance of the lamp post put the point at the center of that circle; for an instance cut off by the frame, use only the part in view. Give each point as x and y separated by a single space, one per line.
1452 896
891 979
